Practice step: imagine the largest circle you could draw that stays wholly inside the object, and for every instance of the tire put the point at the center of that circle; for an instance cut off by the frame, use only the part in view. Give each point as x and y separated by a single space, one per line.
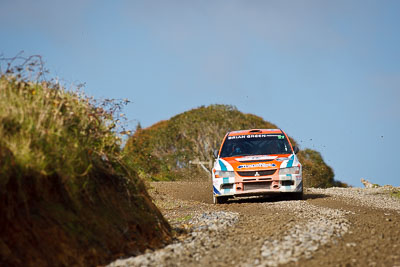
219 200
293 196
297 196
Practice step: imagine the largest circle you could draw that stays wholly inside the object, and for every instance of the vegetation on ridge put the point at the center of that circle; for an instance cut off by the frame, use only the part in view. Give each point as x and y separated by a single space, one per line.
164 150
68 196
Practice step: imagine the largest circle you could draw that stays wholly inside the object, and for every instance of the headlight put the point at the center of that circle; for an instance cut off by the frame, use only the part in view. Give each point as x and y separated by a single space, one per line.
292 170
221 174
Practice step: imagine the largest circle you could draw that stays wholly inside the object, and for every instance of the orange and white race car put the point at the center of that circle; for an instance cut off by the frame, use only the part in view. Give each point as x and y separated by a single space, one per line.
256 162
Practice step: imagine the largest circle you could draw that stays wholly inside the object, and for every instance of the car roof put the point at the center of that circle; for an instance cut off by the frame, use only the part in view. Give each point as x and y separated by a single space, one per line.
256 131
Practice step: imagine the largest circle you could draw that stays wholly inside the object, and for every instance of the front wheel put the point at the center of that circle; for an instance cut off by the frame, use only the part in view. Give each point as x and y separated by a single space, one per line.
296 196
293 196
219 200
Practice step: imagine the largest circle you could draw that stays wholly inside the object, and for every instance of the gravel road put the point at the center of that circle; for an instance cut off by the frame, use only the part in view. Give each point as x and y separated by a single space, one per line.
332 227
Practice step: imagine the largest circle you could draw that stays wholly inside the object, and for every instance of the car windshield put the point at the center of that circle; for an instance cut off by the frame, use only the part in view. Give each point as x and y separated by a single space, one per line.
255 144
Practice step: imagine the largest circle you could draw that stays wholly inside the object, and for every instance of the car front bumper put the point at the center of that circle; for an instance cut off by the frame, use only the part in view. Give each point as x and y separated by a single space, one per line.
239 186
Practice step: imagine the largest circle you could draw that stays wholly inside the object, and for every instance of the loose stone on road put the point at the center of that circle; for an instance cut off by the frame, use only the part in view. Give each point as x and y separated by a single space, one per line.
333 227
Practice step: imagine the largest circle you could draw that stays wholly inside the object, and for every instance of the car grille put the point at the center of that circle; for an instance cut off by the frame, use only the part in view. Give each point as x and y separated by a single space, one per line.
253 173
255 186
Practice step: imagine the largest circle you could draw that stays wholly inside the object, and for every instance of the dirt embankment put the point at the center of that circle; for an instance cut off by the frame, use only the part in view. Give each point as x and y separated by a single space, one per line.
332 227
50 228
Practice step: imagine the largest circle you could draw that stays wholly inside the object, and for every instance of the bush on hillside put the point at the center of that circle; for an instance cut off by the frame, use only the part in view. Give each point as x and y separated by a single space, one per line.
67 194
315 172
164 150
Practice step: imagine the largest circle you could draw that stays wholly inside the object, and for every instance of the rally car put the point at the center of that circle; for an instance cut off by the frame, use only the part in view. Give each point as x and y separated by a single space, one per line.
256 162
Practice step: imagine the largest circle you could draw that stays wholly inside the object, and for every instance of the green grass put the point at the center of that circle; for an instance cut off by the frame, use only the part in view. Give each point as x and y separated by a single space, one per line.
51 130
395 194
184 218
65 178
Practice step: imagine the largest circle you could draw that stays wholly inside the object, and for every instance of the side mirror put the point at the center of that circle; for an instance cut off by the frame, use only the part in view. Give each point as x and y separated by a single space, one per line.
215 153
296 149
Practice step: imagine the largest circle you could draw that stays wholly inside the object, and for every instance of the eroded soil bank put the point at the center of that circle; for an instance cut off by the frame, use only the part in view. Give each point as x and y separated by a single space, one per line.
332 227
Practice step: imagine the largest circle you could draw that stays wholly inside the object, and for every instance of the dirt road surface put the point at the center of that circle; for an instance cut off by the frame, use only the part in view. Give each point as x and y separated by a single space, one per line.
330 227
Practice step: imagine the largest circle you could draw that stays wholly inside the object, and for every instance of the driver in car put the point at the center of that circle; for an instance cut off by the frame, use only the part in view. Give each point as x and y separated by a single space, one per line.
236 150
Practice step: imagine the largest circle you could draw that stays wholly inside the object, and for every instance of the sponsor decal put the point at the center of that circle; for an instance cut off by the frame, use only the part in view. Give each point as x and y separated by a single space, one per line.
255 136
257 165
236 137
290 162
256 158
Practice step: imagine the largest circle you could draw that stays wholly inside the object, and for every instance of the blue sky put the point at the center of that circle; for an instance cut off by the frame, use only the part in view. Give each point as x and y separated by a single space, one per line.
327 72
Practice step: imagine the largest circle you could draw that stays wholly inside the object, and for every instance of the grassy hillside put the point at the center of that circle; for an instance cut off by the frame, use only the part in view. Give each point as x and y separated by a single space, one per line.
67 196
163 151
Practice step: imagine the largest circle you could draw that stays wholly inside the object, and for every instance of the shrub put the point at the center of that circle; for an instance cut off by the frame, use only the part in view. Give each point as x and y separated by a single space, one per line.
163 151
64 178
